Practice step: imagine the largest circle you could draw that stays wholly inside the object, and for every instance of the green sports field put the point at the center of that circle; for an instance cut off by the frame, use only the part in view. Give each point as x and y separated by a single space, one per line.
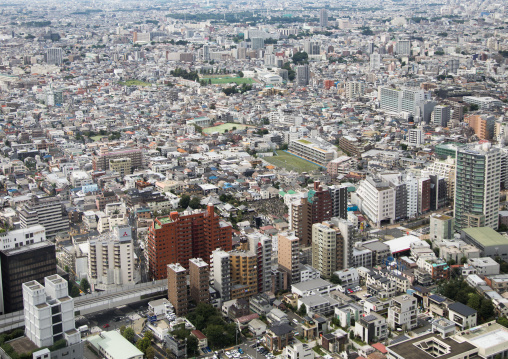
291 163
224 127
228 80
134 83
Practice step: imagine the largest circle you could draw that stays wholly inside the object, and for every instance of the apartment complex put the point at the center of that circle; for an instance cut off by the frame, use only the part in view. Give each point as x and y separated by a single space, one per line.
179 237
289 256
261 246
327 247
353 145
402 313
177 288
199 280
111 259
483 125
220 264
477 186
46 211
244 276
121 165
102 161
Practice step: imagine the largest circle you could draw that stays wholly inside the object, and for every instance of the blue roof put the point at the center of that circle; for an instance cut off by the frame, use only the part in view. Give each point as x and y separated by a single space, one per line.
437 298
213 168
212 177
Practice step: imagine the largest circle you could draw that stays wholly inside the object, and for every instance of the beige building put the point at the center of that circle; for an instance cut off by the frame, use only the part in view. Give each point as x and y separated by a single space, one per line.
199 280
177 288
327 248
244 276
121 165
289 256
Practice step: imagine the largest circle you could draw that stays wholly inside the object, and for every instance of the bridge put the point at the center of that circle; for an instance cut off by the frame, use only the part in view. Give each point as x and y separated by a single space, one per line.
96 302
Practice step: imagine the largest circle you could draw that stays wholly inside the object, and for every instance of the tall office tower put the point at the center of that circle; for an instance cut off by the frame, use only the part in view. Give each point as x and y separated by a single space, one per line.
311 47
244 275
438 192
415 137
258 43
376 199
111 259
424 111
261 246
316 207
46 211
411 98
355 89
375 61
102 161
177 288
24 264
440 116
477 183
22 237
327 248
179 237
199 280
49 312
302 75
206 52
423 194
403 47
339 198
323 18
390 99
289 256
54 56
220 264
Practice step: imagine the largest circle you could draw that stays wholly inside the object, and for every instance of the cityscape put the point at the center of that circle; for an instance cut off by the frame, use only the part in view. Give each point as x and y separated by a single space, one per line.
253 179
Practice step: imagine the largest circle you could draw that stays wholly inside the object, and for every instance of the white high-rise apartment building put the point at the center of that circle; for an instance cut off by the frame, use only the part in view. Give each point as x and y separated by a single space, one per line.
111 259
22 237
402 313
261 245
46 211
403 47
411 99
49 312
355 89
415 137
54 56
220 272
377 200
477 182
375 61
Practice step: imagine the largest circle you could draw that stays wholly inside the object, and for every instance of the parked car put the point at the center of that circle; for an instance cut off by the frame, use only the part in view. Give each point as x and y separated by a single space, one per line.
105 326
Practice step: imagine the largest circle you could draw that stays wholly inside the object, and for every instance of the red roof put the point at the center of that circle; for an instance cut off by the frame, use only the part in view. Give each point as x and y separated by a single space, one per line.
198 334
380 347
247 318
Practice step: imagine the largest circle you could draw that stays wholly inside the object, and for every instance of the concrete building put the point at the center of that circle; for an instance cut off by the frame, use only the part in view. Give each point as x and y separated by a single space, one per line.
403 313
323 22
354 89
376 199
477 186
483 125
353 145
220 264
440 116
261 246
113 345
371 328
22 237
177 288
327 250
420 346
54 56
289 256
318 151
199 281
484 103
49 312
121 165
485 266
491 243
339 197
403 47
244 275
102 161
111 259
46 211
415 137
441 227
463 316
302 75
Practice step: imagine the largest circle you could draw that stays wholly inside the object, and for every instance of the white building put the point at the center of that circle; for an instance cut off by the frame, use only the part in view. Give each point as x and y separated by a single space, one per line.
111 259
484 103
49 312
415 137
313 287
313 149
402 313
298 350
22 237
113 345
484 266
376 200
220 273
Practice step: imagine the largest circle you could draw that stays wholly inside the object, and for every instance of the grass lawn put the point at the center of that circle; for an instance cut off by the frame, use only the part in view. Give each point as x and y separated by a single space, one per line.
224 127
134 83
228 80
291 163
97 138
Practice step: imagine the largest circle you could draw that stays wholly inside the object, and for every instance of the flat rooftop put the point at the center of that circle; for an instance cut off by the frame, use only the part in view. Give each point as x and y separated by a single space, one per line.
486 236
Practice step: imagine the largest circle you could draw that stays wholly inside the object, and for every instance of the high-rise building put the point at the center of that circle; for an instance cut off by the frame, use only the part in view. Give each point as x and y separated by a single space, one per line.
21 265
477 183
390 99
355 89
441 227
206 52
22 237
177 288
49 313
483 125
339 198
179 237
302 75
326 248
261 246
415 137
54 56
102 161
258 43
244 275
121 165
375 61
376 198
323 18
46 211
311 47
316 207
289 256
199 280
411 98
403 47
220 264
423 194
440 116
111 259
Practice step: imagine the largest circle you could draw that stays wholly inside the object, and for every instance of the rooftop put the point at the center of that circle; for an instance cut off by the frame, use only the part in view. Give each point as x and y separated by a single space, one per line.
115 345
486 236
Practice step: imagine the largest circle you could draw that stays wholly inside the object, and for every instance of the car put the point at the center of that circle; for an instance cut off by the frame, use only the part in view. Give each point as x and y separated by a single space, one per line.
350 291
240 350
105 326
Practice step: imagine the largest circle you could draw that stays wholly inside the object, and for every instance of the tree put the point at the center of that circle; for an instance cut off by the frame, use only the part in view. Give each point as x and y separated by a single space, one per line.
463 260
474 107
303 310
129 334
503 321
143 344
184 201
486 309
335 279
150 353
122 330
192 346
474 301
195 203
300 57
85 286
240 74
66 268
149 335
